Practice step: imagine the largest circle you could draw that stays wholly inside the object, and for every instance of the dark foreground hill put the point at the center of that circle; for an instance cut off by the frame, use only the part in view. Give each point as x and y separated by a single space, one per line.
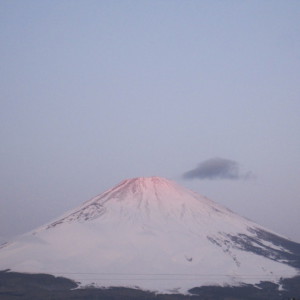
22 286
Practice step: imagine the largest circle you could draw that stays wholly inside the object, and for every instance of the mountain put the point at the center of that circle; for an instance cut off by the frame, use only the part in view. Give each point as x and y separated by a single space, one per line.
153 234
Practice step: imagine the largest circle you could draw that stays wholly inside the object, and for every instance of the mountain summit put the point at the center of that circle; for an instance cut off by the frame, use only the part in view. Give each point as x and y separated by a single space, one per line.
153 234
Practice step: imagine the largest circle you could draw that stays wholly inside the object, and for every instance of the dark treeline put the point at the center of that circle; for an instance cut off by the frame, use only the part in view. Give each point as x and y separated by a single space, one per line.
15 286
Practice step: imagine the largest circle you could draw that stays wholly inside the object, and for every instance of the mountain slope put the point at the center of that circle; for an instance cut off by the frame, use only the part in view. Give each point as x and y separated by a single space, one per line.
153 234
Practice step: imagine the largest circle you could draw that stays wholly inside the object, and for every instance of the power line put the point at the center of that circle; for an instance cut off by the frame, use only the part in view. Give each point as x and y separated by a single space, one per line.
164 276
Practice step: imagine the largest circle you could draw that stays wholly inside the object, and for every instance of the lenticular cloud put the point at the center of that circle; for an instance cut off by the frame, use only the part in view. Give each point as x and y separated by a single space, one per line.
217 168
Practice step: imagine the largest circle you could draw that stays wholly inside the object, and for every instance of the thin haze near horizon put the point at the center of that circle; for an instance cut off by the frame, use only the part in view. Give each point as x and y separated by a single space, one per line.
205 93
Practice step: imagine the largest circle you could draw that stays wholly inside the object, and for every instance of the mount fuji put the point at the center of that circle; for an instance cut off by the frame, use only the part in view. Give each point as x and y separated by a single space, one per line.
153 234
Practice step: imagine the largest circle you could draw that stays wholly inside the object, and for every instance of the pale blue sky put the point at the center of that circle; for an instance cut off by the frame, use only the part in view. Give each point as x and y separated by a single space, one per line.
93 92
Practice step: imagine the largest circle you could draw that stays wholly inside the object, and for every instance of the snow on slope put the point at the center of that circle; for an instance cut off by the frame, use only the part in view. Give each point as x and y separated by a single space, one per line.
152 234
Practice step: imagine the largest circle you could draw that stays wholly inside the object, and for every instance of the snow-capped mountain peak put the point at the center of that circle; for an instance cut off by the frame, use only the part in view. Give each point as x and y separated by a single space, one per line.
152 233
145 198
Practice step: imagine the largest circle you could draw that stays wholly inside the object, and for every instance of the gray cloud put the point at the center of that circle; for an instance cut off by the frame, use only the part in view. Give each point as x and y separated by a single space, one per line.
218 168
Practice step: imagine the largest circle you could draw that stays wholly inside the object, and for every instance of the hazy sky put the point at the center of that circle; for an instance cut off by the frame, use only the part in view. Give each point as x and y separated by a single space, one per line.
206 93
